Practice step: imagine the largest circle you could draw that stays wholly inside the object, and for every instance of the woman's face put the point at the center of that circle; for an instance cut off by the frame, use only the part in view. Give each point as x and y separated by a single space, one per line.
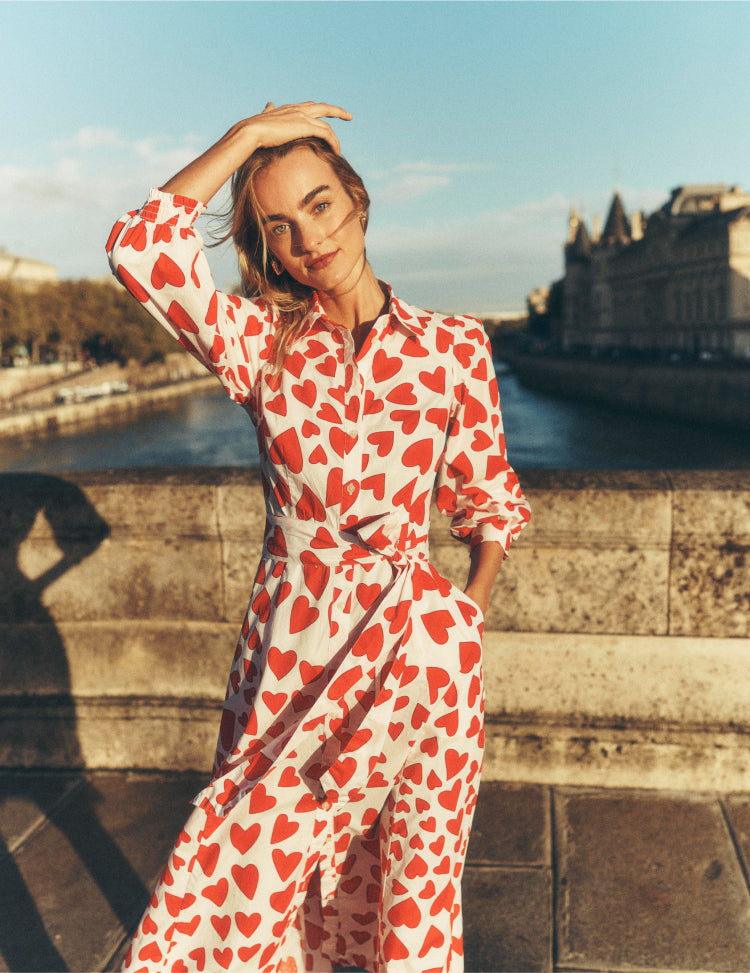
311 223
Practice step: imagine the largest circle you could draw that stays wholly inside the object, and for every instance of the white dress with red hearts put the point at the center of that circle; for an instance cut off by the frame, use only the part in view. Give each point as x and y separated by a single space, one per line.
334 830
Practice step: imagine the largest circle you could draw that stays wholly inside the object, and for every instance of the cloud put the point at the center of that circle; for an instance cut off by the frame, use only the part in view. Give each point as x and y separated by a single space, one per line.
409 181
486 260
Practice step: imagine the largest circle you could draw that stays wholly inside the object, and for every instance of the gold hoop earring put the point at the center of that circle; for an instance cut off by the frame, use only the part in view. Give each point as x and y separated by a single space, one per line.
277 268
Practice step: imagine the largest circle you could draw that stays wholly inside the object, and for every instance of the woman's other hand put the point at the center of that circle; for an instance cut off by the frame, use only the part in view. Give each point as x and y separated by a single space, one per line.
202 178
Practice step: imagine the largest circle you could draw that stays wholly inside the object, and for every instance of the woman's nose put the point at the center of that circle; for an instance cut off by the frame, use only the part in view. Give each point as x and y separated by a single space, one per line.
308 236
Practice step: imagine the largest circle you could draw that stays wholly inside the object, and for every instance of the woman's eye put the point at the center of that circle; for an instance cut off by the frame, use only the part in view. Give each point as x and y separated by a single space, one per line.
321 206
279 229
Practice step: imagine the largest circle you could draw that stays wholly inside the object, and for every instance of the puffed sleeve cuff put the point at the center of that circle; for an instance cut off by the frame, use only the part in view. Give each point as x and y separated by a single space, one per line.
160 205
497 530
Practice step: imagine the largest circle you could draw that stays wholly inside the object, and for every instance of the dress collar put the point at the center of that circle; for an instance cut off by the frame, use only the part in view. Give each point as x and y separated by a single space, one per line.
398 313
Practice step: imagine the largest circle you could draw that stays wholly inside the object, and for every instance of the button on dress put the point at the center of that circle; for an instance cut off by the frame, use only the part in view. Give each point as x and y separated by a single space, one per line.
334 829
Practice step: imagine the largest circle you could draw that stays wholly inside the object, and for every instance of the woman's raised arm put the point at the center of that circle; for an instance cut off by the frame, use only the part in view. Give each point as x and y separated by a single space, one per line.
202 178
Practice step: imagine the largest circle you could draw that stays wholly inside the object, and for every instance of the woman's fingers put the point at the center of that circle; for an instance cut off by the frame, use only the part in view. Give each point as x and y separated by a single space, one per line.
289 122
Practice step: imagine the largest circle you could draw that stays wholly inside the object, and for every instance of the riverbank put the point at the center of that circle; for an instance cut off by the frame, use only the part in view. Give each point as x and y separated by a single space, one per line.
54 419
705 392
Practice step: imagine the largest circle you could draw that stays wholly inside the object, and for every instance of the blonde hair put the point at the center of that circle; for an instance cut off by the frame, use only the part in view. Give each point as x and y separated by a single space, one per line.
245 225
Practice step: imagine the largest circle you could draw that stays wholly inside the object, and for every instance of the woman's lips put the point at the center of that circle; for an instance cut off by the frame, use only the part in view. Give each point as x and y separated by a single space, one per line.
322 262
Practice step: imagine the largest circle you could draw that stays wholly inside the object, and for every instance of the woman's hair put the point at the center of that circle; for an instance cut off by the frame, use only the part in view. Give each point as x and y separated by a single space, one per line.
245 226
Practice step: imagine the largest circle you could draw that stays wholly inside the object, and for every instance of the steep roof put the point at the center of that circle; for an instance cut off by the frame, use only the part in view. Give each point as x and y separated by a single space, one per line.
580 248
617 227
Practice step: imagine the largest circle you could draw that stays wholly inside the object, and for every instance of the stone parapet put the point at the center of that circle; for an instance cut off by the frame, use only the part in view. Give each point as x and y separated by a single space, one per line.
616 646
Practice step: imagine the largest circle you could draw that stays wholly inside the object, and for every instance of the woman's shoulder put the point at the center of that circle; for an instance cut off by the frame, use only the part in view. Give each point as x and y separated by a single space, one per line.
452 328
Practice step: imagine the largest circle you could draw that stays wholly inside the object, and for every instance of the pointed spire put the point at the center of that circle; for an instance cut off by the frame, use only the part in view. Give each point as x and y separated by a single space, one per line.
617 227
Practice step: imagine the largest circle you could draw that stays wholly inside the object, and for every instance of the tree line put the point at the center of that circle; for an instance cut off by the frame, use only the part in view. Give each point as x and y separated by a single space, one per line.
75 320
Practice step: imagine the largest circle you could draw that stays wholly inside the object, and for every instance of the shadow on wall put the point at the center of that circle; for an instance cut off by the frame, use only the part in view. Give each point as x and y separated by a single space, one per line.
30 665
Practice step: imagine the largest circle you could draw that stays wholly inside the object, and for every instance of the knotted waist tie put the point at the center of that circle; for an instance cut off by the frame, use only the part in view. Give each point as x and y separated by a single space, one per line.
288 538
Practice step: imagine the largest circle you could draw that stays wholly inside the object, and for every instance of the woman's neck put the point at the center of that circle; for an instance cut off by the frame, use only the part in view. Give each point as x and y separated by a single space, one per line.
357 306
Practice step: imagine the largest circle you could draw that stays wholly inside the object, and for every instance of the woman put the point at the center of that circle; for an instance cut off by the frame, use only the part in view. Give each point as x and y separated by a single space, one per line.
334 830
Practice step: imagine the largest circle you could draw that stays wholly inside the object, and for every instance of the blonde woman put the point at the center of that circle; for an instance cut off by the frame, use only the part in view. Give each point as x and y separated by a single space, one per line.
334 829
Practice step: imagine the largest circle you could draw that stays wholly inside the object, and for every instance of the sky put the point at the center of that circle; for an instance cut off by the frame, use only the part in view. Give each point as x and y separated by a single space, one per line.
477 125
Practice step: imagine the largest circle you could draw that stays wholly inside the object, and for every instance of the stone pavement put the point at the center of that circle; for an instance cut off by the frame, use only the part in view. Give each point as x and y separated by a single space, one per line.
558 878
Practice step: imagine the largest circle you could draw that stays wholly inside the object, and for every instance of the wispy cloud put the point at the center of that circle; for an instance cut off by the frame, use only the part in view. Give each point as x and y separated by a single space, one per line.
408 181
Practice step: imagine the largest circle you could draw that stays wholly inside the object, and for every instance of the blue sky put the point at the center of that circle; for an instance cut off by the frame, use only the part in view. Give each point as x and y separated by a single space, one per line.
476 125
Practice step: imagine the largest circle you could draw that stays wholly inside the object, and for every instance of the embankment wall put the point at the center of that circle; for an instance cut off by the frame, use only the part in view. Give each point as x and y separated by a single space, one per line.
703 393
616 651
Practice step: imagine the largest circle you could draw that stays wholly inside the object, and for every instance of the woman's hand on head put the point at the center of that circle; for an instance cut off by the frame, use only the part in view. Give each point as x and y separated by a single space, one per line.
202 178
289 122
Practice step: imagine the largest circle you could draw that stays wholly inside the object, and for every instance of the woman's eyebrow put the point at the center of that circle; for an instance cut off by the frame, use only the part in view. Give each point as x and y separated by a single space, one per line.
276 217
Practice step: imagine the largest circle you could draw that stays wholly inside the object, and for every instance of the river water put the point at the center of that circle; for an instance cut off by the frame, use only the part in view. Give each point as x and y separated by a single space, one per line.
542 432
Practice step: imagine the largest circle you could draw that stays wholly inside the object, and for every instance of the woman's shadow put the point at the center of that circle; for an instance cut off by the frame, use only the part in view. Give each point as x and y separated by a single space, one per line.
38 725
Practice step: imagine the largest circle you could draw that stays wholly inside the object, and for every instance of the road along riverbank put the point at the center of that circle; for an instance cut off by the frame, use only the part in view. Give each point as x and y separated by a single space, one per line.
53 419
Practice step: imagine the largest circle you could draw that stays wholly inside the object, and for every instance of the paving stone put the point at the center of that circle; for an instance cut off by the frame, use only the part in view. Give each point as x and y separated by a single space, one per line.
511 825
648 882
507 919
738 813
25 800
76 886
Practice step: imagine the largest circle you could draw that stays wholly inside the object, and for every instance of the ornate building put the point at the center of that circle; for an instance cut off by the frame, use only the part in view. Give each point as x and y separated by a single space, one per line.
677 281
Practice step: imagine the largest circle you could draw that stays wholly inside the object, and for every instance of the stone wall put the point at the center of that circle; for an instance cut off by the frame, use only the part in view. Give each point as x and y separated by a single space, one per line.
700 392
617 645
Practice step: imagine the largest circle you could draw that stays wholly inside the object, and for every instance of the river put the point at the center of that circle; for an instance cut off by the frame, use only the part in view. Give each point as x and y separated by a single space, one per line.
542 432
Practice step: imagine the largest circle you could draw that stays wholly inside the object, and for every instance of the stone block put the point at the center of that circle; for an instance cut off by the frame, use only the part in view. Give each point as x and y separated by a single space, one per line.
617 679
507 920
648 883
710 590
145 577
710 580
573 589
511 826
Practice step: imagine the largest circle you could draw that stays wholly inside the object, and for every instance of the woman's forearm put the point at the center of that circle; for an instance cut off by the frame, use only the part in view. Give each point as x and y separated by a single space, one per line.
486 559
202 178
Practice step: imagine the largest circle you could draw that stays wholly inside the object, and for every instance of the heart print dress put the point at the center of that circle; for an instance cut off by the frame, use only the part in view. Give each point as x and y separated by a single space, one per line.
334 828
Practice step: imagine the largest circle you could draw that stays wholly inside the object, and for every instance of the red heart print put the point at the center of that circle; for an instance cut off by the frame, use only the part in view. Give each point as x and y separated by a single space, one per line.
393 948
280 662
217 893
449 799
243 839
199 957
280 900
166 271
247 924
246 878
433 940
419 454
286 451
224 957
283 828
384 367
437 624
305 393
285 864
222 925
434 380
455 762
303 615
259 800
208 855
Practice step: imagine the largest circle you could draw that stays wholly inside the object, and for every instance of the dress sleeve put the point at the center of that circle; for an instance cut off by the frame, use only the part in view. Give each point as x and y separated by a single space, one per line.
157 254
476 486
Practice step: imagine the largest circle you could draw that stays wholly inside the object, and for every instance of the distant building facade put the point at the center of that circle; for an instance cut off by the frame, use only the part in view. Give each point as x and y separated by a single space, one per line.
23 270
677 281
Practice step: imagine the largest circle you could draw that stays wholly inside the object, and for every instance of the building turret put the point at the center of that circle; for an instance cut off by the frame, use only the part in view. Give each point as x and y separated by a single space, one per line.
617 227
